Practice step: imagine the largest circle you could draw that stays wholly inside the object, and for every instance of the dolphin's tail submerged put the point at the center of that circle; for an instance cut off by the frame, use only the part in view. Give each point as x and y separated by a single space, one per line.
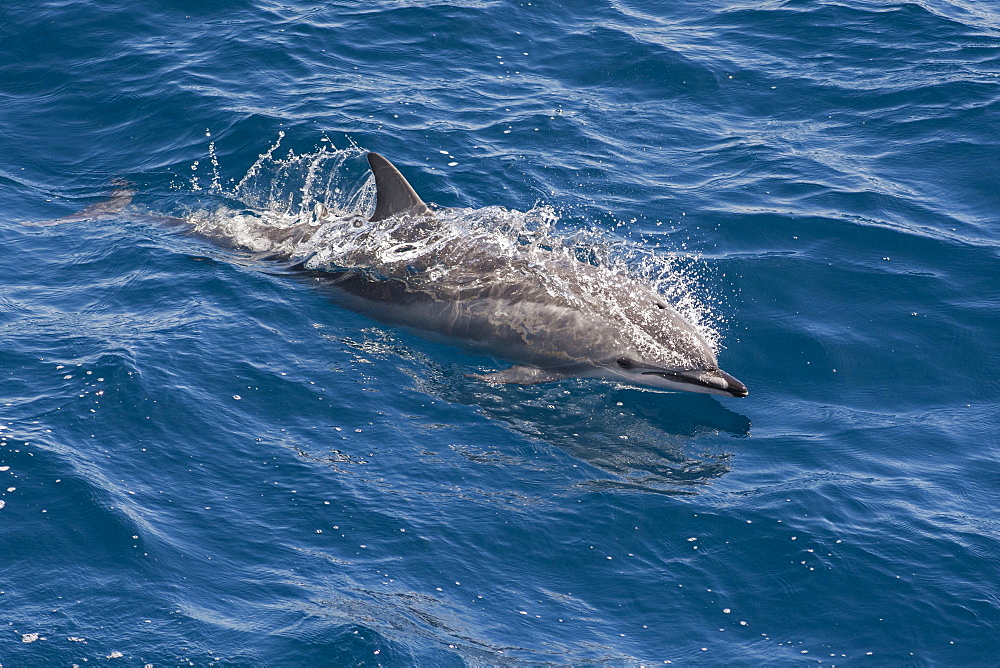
120 198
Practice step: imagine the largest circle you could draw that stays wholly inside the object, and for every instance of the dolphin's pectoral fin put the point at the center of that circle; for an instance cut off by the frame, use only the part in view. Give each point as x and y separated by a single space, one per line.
296 266
521 375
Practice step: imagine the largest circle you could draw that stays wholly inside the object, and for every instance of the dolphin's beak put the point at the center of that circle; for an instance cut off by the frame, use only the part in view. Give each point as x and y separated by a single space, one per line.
716 381
735 387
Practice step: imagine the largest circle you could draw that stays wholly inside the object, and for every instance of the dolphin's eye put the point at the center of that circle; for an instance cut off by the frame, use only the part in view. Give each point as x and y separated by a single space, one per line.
659 305
625 363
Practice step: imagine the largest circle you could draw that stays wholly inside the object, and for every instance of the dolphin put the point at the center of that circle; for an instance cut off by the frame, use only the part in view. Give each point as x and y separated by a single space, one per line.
597 323
553 316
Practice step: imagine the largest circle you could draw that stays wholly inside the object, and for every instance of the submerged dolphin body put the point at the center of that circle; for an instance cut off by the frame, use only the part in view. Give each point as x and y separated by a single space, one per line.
597 324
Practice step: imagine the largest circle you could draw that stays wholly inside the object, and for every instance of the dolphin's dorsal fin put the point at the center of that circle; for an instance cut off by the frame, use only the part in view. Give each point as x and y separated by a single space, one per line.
393 195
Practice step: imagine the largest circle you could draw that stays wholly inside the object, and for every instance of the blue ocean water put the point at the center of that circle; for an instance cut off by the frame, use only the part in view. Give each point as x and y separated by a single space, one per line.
203 461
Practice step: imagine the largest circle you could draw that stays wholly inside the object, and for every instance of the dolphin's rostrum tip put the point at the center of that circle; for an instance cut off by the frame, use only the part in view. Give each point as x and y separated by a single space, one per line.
735 387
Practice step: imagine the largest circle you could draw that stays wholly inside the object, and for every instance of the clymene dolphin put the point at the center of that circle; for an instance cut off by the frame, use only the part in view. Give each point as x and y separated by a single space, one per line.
552 315
598 324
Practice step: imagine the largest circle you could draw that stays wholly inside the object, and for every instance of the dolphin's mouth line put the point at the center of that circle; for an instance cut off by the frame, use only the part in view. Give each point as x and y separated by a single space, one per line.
676 377
732 386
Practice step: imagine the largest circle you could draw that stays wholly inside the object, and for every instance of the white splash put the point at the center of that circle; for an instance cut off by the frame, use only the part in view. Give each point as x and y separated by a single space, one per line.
316 205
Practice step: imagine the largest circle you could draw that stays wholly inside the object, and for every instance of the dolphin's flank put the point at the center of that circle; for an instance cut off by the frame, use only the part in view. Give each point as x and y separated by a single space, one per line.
597 324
